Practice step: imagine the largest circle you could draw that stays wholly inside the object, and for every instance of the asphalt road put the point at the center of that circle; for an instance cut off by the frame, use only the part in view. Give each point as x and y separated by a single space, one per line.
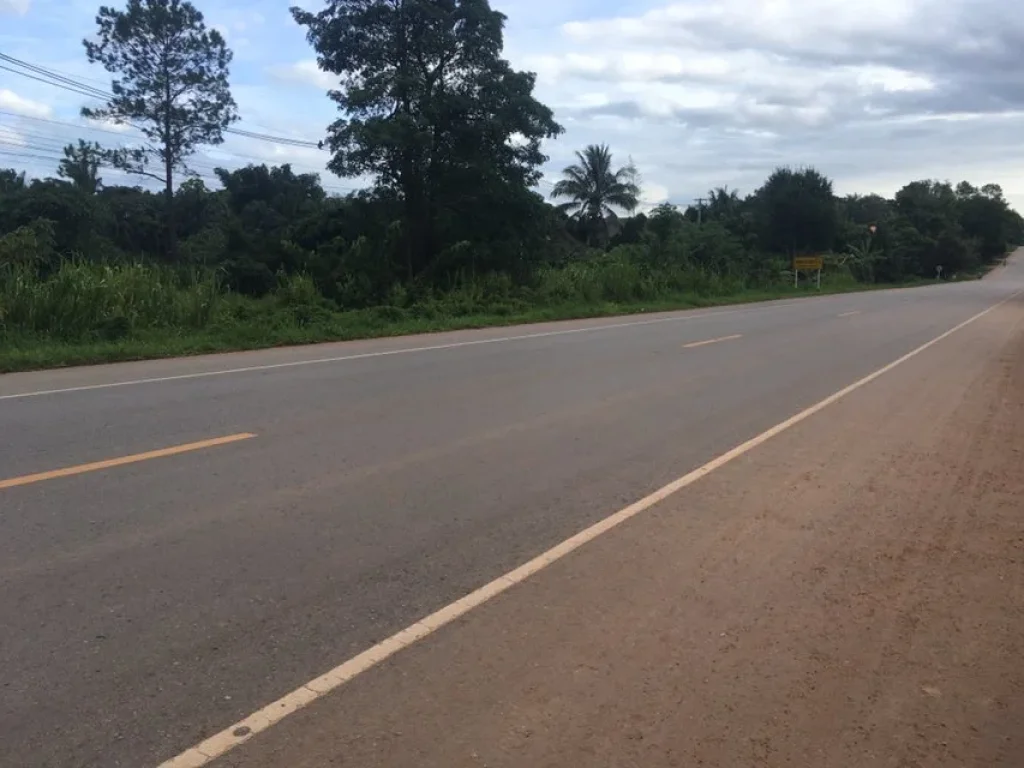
146 606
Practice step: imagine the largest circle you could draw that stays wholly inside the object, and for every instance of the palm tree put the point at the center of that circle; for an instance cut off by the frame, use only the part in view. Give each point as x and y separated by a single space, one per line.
594 190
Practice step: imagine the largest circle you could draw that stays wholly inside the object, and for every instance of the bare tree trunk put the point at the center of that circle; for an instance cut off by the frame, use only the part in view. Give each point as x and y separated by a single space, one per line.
172 227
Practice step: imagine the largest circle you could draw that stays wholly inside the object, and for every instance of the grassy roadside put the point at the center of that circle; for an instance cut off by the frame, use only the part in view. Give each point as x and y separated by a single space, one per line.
277 329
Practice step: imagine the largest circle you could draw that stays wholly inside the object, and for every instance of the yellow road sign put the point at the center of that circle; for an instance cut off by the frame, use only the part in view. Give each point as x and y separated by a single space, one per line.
807 263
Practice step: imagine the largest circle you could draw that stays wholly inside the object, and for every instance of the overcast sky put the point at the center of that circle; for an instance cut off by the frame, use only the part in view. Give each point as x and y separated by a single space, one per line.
700 94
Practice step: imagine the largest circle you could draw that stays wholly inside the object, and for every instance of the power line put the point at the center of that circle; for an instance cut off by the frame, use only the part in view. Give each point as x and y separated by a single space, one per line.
43 142
79 126
42 80
64 82
53 75
58 143
205 170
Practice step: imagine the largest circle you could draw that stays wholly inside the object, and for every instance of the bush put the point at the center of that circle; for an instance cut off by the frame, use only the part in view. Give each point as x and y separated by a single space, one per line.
81 300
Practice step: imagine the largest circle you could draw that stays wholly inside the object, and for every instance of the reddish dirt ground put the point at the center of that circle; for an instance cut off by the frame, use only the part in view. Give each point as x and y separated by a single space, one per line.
851 593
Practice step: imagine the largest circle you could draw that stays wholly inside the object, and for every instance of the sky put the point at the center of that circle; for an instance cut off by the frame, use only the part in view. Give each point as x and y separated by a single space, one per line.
700 94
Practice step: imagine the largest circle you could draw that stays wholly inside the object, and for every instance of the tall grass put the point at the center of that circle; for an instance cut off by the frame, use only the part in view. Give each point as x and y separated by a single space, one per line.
82 300
87 312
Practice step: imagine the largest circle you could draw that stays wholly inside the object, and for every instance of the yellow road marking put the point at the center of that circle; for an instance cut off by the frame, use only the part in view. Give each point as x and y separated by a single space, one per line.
122 460
847 314
693 344
234 735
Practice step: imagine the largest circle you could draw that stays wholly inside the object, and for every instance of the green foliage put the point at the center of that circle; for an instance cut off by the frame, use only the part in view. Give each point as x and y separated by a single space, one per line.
594 190
81 165
83 301
430 109
30 246
452 232
796 212
170 82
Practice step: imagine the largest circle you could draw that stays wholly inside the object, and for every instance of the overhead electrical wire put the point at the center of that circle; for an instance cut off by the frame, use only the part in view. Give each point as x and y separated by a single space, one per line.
52 151
67 83
64 82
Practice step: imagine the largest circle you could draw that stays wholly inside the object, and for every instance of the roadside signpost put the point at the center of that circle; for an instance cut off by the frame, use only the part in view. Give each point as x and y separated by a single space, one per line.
807 264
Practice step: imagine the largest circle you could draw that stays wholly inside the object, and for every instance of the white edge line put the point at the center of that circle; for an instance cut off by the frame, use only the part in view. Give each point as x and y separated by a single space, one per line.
704 343
691 315
243 730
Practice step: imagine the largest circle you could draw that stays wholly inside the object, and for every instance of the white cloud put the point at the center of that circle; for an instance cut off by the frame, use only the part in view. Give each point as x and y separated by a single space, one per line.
12 102
701 93
17 7
109 125
713 92
305 72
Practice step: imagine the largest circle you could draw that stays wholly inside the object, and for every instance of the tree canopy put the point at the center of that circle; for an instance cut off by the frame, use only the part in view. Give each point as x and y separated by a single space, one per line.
595 190
429 108
452 140
796 212
170 81
81 165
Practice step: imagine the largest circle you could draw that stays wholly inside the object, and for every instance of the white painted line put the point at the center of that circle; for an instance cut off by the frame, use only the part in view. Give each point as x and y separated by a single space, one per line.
242 731
847 314
407 350
704 343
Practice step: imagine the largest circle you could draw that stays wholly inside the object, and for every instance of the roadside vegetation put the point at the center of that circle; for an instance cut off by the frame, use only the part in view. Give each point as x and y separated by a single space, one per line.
456 230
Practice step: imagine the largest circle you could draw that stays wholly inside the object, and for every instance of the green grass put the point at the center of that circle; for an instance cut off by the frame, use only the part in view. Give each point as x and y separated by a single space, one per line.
98 325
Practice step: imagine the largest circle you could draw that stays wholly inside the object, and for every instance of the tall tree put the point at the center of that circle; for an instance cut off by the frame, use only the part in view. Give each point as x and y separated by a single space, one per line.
865 210
81 166
11 180
930 206
796 212
429 107
594 190
986 217
170 81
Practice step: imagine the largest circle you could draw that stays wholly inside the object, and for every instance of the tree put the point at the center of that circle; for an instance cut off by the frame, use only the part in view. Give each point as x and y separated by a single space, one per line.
11 180
930 206
81 165
594 190
987 219
865 210
429 107
796 212
170 82
723 204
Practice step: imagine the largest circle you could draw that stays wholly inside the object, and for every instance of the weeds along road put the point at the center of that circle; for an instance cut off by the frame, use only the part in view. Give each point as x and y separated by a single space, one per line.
183 543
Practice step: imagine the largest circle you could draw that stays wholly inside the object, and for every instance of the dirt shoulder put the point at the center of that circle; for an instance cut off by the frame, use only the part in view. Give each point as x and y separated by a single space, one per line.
849 594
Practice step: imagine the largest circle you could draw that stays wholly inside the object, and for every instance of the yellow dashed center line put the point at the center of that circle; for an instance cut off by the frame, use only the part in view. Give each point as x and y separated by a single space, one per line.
134 458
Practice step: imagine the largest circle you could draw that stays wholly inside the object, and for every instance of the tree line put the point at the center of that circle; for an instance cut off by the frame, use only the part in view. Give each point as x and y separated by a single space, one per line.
452 137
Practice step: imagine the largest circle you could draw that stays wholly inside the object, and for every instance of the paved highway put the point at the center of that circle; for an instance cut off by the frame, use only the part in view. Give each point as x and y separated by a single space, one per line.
160 584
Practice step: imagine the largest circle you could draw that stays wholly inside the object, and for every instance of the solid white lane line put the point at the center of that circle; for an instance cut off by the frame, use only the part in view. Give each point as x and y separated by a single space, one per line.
405 350
704 343
242 731
847 314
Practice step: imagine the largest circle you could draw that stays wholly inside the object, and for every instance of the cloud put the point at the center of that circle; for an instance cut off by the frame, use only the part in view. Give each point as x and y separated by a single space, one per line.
701 93
17 7
12 102
305 72
709 92
109 125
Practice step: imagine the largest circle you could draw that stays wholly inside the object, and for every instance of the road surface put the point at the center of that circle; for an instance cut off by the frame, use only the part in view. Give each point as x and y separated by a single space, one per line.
184 542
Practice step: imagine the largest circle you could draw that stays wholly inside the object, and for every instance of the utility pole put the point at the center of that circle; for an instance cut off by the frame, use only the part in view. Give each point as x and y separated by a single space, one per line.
700 209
